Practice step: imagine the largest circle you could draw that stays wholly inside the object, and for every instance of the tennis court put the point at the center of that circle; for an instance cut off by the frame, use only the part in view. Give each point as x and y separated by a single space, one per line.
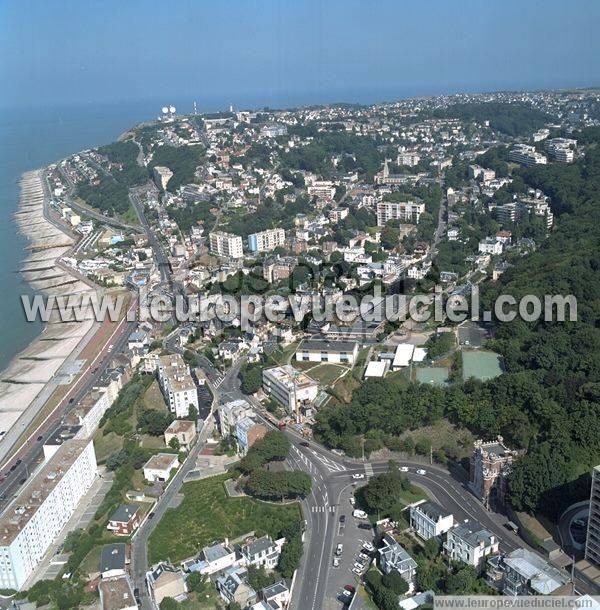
481 364
435 375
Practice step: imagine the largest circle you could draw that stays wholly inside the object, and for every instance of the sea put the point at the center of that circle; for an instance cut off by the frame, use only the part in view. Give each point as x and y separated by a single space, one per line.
30 139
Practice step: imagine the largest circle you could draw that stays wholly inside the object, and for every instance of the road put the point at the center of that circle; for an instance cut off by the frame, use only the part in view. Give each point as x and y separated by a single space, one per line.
139 543
30 453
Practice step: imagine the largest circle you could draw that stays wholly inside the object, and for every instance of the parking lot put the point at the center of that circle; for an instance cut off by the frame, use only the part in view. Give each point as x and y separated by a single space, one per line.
472 334
353 538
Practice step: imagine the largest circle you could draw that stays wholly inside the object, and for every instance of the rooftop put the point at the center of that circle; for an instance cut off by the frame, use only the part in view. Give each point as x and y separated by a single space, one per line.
113 557
33 495
116 593
327 346
432 510
124 513
162 461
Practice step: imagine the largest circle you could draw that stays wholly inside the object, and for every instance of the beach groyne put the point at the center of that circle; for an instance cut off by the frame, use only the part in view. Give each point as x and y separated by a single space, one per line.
35 372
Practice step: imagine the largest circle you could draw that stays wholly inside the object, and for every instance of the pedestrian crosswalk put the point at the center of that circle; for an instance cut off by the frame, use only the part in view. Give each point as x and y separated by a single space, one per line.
369 470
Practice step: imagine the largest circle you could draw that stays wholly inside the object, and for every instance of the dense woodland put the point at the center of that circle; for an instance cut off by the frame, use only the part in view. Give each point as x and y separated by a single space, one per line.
548 400
181 160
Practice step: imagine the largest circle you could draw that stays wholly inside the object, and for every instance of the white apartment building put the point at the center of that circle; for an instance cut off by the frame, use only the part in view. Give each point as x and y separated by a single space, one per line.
429 520
266 240
526 155
592 545
408 158
289 387
35 518
231 413
338 214
177 384
322 189
562 149
90 411
226 244
405 211
470 544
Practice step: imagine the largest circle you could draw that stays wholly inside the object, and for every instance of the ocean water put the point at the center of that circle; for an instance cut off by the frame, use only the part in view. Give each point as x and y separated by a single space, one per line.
29 139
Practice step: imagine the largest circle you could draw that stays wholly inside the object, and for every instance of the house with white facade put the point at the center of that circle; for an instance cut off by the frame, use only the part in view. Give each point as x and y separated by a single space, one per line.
158 468
430 520
470 543
262 552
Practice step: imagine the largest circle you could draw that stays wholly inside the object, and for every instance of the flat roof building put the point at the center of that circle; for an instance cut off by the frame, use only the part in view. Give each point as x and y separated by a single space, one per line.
290 387
35 518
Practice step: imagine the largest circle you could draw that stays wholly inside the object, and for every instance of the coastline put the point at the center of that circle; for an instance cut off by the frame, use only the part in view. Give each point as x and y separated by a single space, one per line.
50 359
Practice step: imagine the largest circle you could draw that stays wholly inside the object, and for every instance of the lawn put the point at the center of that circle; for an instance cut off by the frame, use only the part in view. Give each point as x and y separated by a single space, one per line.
106 445
207 514
326 374
414 494
153 398
206 601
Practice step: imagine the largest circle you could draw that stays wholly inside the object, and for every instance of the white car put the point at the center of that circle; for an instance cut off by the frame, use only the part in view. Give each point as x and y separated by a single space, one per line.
357 571
336 562
403 468
360 514
369 547
352 500
358 476
339 549
421 471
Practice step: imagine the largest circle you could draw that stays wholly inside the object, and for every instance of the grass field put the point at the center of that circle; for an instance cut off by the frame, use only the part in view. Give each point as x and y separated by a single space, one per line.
481 364
106 445
326 374
153 398
207 514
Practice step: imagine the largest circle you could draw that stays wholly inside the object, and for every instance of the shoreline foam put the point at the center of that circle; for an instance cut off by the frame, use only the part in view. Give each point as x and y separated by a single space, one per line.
31 376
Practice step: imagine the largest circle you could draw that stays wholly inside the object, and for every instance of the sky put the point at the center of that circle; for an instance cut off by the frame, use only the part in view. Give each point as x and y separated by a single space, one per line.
63 53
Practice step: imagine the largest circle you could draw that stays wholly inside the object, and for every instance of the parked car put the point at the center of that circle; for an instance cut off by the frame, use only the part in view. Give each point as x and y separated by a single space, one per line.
336 562
349 588
343 519
359 514
352 500
369 547
364 526
339 549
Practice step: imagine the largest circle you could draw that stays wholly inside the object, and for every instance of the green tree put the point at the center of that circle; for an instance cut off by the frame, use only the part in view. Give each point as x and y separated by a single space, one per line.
395 582
168 603
291 553
197 582
251 379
